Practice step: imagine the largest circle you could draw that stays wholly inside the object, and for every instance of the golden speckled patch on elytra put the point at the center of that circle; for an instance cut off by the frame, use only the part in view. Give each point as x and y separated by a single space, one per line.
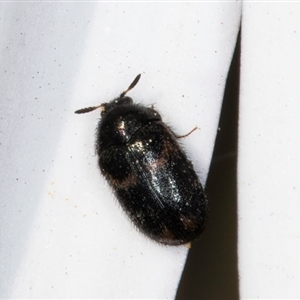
151 175
156 164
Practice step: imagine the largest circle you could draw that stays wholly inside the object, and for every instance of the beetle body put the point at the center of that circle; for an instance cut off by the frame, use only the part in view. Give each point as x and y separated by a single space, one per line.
150 174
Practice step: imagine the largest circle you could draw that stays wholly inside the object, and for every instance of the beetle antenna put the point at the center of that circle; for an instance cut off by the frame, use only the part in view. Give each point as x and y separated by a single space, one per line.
91 108
87 109
132 85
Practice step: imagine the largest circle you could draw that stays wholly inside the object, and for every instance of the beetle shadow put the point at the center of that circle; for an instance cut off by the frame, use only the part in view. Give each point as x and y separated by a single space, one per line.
211 270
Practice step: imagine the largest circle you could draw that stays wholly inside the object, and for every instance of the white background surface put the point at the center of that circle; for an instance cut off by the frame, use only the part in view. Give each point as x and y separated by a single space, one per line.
63 235
269 147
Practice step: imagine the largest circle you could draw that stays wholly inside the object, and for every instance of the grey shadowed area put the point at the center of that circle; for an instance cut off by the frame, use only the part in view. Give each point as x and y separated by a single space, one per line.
211 270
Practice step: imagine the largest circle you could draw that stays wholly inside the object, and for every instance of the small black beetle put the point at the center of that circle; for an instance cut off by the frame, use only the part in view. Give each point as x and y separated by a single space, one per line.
150 174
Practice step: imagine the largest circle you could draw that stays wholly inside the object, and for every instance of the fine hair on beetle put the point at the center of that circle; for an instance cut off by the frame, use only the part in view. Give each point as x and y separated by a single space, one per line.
150 174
